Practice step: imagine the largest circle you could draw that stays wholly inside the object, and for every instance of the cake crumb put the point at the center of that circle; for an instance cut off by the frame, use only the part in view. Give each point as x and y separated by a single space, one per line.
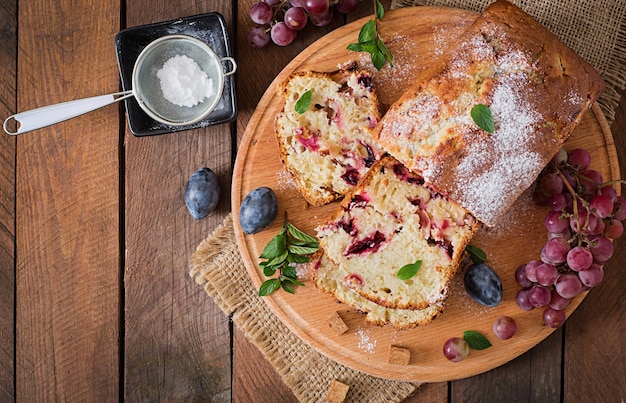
337 391
337 324
398 355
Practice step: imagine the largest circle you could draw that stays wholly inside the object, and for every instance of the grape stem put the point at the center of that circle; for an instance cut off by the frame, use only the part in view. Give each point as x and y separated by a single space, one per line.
574 204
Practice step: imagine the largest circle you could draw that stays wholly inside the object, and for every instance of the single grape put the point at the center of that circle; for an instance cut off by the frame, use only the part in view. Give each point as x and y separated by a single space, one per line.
539 296
321 20
568 285
346 6
601 248
601 206
608 191
261 13
557 301
556 222
258 210
613 229
531 270
592 276
504 327
579 258
557 201
589 181
522 299
555 251
316 7
455 349
546 274
520 276
551 184
258 37
281 34
553 317
296 19
272 3
579 158
560 158
619 208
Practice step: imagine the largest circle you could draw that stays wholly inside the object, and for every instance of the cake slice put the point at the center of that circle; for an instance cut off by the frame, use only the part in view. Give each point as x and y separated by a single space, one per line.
536 88
327 146
328 277
391 219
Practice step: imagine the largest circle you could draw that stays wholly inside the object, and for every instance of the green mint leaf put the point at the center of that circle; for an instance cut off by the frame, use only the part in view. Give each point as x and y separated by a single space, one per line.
302 250
476 254
380 10
275 247
409 270
269 286
278 259
290 272
355 47
476 340
385 52
269 271
368 32
378 59
293 281
298 259
300 235
303 103
287 287
481 114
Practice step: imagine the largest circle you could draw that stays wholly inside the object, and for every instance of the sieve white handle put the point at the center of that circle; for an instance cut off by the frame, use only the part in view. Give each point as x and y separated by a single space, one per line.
49 115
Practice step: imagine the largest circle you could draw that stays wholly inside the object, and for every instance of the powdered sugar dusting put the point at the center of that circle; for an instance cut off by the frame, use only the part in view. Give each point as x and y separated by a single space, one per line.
506 154
366 343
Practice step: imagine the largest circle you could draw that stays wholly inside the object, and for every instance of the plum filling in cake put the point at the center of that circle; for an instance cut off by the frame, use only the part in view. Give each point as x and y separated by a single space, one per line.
369 244
353 280
358 200
366 82
351 176
444 244
371 157
307 139
405 175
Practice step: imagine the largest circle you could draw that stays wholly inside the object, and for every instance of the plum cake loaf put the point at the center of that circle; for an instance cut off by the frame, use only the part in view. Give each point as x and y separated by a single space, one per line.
535 88
390 220
327 277
325 140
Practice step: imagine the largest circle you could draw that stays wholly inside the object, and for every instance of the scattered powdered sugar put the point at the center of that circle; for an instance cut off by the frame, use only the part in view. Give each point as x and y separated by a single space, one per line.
440 38
366 343
285 180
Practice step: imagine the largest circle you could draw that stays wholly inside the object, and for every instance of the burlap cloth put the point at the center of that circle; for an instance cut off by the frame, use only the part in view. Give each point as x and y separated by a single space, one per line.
595 29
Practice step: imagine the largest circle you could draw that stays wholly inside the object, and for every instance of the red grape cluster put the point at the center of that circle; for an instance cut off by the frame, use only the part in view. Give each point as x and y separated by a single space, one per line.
585 216
280 20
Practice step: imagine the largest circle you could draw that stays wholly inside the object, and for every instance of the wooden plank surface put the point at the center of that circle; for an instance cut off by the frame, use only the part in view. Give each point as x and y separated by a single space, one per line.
95 238
8 81
177 342
68 238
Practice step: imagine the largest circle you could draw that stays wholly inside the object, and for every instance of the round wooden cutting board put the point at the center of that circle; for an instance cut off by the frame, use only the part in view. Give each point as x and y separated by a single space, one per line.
415 36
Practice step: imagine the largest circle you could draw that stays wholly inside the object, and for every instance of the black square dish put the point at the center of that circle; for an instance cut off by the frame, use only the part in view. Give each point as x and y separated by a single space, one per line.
209 28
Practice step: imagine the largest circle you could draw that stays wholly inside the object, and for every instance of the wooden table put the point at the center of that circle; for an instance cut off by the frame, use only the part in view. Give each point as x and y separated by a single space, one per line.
96 303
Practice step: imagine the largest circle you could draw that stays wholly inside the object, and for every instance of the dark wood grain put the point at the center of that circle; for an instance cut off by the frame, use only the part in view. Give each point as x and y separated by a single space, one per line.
8 101
68 237
177 341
